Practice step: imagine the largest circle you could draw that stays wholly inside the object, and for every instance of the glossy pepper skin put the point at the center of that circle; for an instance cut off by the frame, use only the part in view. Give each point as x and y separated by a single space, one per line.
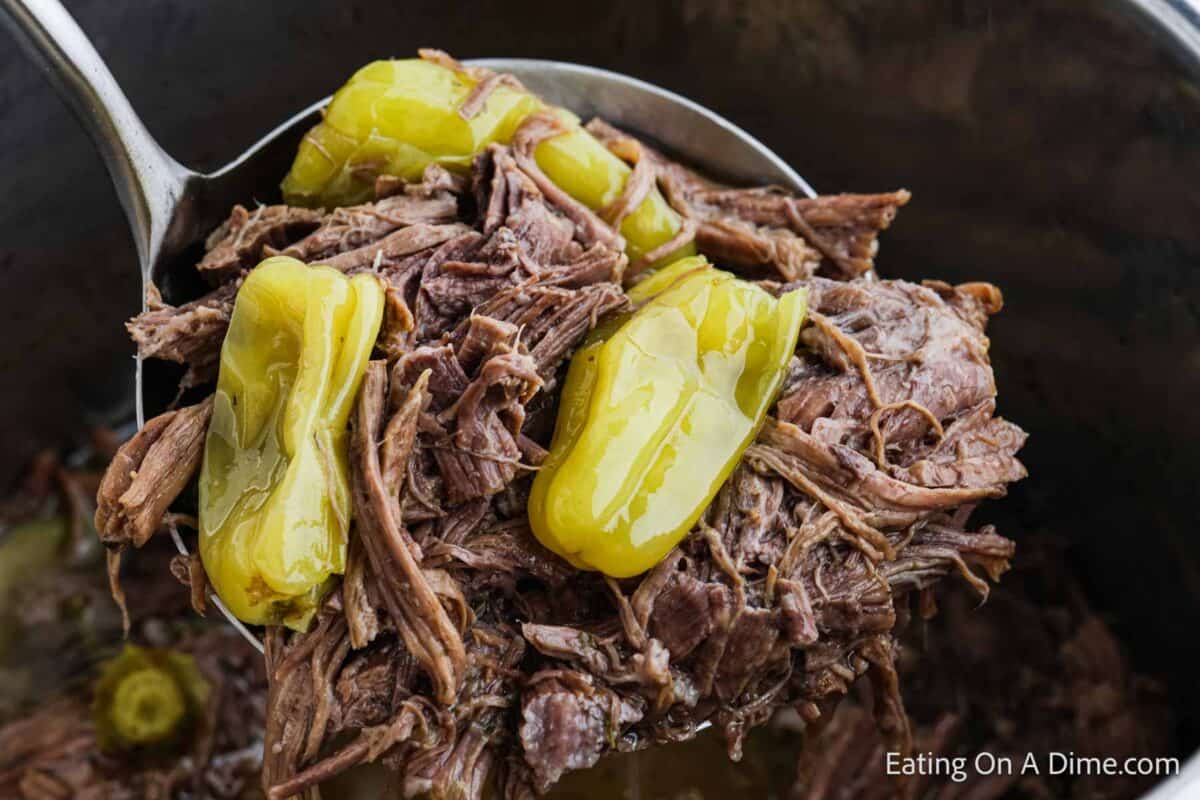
274 484
397 117
656 411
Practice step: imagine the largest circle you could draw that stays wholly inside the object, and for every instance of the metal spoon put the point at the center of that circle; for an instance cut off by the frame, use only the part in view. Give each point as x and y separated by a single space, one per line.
170 207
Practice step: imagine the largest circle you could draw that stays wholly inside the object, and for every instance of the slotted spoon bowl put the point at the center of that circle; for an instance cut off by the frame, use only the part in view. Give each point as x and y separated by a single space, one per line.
170 207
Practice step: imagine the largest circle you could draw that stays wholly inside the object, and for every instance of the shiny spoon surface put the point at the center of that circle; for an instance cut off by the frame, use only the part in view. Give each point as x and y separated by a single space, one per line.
171 208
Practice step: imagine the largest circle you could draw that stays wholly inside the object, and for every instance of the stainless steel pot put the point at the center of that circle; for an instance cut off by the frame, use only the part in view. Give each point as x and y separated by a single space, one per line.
1053 147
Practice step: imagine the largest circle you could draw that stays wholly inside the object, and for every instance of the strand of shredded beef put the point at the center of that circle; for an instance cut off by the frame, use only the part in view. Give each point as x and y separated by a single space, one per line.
477 99
411 602
148 473
189 571
637 188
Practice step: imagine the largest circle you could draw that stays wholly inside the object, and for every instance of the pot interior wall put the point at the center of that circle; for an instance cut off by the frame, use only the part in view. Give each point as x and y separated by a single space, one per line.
1052 147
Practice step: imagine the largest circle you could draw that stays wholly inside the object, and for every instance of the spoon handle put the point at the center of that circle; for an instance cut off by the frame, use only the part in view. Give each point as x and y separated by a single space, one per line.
148 181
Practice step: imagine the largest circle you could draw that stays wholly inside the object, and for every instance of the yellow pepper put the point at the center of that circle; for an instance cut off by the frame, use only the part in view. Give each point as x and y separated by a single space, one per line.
397 117
656 410
274 485
146 698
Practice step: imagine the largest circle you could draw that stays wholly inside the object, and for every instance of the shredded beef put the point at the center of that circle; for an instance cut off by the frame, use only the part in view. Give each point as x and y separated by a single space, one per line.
589 227
347 229
434 182
413 606
841 229
189 570
552 319
567 721
483 456
1038 673
190 334
242 239
382 253
769 230
771 250
508 197
456 649
475 424
148 473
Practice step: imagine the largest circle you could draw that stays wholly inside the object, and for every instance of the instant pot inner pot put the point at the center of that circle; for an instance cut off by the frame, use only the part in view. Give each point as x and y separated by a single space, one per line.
1052 147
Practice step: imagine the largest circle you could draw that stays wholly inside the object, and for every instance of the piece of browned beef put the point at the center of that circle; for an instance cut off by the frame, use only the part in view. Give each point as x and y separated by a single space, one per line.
148 473
241 241
190 334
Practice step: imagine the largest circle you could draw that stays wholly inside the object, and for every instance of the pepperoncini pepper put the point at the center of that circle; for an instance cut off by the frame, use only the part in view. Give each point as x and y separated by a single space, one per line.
656 410
397 117
147 698
274 485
